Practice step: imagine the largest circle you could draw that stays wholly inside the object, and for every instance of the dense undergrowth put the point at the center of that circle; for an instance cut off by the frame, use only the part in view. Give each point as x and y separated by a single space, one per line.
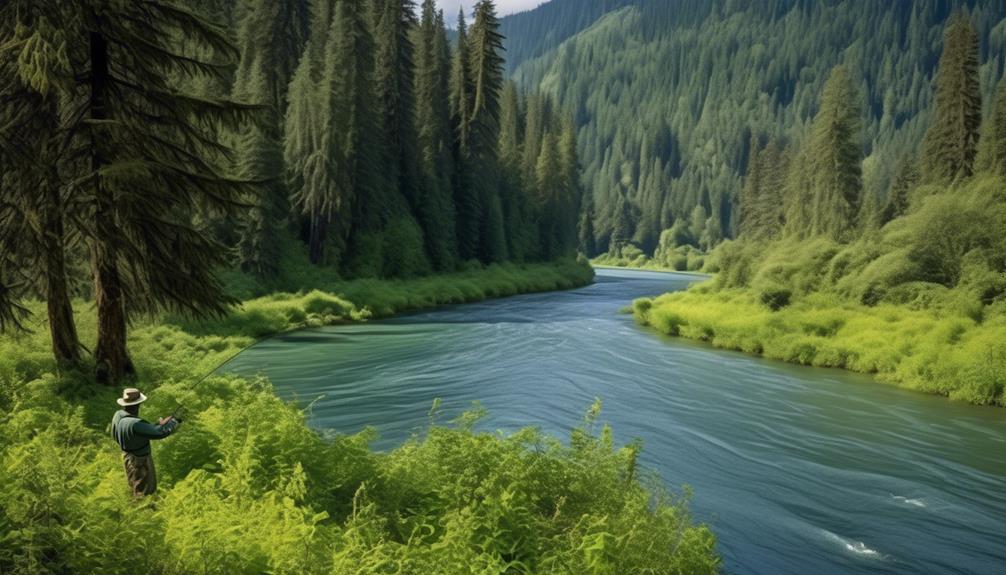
247 487
920 302
668 256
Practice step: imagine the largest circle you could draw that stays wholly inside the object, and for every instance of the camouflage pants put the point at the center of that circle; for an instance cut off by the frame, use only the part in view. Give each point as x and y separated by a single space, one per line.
140 474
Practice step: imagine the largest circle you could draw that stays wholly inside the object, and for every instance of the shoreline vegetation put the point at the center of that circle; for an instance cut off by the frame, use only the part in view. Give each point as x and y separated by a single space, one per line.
920 302
247 475
910 286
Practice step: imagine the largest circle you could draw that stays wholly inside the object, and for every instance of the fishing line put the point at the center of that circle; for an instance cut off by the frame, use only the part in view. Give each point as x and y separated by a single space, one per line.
180 407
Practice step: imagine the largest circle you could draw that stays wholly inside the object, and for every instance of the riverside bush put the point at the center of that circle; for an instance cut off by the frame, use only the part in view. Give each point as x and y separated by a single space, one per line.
920 302
247 487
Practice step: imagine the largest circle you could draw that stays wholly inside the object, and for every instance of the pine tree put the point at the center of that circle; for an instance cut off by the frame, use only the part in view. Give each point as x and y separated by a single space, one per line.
338 189
901 188
951 143
436 206
394 83
837 157
143 181
515 209
550 183
751 192
571 190
32 202
993 143
466 199
485 47
271 40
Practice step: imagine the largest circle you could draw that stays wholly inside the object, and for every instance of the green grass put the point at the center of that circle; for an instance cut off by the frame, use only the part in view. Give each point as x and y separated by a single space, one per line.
921 302
247 487
922 349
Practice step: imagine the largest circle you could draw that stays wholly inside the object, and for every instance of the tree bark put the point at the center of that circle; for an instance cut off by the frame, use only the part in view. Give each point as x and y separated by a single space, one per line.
112 358
316 243
63 330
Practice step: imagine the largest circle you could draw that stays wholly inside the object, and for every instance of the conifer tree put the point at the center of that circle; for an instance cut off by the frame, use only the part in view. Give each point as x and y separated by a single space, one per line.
901 188
571 191
750 192
549 182
33 206
837 157
337 186
993 143
466 198
951 143
436 205
146 159
515 208
485 48
271 39
394 83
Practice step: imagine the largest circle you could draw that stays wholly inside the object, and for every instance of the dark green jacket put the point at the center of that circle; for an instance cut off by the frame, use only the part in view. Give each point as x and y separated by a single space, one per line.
134 434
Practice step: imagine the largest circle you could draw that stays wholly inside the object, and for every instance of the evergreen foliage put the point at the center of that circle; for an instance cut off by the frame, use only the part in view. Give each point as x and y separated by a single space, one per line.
952 140
914 291
836 172
667 95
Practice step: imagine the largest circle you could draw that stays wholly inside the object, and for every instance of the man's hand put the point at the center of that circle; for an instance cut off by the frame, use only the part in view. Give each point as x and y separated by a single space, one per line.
171 422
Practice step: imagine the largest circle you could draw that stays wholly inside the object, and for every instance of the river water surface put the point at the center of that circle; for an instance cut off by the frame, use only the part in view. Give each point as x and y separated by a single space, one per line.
796 469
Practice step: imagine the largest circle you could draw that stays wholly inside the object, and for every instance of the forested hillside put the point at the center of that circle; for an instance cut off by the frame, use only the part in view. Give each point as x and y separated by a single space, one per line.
913 287
279 145
670 97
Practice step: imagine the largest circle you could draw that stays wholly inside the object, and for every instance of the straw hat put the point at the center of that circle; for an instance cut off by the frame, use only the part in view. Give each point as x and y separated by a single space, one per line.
131 396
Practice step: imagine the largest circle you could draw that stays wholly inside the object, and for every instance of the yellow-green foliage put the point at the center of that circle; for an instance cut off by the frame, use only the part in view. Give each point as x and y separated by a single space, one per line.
921 303
247 487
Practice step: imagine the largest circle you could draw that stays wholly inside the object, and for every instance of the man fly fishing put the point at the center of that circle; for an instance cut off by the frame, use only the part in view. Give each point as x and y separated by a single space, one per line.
133 435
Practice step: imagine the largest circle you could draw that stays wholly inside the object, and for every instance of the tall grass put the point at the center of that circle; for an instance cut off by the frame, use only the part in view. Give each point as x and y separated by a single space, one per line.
247 487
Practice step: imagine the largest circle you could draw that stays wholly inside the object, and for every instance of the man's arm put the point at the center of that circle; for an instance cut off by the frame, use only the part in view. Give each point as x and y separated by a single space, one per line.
151 431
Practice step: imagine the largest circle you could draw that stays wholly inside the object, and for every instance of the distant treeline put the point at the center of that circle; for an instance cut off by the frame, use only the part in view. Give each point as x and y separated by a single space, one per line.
673 98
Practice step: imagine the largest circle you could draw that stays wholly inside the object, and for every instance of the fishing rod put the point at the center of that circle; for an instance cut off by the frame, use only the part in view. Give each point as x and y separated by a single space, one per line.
180 407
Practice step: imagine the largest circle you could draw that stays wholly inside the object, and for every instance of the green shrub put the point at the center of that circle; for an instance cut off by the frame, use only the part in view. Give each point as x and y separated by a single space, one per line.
247 487
775 298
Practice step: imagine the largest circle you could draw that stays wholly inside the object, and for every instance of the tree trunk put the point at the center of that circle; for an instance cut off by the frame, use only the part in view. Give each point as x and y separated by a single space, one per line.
316 243
112 358
63 330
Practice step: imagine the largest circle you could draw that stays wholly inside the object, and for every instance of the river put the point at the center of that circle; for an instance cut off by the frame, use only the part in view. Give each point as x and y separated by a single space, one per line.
796 469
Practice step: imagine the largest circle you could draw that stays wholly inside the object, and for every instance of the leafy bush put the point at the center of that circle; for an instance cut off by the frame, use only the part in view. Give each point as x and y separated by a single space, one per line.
775 298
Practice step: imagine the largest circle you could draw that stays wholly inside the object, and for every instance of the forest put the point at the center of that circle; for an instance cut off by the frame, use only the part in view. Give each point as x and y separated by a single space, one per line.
349 134
911 287
672 98
181 179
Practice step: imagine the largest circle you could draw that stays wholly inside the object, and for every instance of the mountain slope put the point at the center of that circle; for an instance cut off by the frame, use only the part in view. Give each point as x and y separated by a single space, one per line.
668 95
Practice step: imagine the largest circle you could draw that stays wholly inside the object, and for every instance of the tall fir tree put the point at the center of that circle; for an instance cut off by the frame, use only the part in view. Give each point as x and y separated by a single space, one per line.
898 196
436 204
394 85
33 202
515 208
993 142
337 183
486 47
837 157
951 143
466 199
143 182
571 190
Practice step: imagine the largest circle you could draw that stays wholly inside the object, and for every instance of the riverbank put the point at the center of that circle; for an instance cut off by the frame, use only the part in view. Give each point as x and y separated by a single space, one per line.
247 475
933 351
